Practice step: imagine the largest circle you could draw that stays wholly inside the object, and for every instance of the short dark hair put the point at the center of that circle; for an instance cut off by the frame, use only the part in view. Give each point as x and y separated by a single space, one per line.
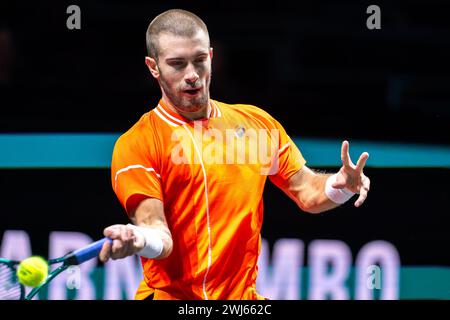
176 21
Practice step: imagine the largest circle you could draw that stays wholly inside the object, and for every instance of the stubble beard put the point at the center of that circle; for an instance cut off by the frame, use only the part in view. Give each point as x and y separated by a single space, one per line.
183 103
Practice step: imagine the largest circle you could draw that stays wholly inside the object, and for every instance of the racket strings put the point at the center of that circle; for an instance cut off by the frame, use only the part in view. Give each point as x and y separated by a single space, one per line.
10 288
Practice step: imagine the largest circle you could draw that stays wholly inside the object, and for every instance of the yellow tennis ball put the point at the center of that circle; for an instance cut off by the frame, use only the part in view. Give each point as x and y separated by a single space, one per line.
32 271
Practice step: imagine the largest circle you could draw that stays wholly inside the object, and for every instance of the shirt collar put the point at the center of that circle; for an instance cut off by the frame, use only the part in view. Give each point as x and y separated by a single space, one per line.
175 119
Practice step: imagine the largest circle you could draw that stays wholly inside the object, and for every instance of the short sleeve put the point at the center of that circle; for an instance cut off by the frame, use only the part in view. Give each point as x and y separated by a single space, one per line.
289 158
134 170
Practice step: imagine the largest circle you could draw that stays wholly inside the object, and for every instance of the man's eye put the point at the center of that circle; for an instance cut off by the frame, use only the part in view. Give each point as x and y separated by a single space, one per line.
200 60
177 64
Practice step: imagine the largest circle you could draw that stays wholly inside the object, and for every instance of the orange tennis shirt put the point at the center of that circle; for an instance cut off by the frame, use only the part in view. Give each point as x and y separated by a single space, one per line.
210 176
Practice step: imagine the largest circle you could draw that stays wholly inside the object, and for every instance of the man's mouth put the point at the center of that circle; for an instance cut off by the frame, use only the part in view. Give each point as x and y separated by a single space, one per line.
192 91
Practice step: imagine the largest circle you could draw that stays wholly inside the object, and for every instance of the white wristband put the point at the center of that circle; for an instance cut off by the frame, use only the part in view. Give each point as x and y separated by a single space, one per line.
339 196
153 242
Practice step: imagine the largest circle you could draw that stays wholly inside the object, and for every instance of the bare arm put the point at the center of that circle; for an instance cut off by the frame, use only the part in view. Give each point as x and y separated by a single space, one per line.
307 188
126 241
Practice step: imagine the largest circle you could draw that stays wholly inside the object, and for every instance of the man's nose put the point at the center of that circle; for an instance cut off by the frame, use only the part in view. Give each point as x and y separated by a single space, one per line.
191 76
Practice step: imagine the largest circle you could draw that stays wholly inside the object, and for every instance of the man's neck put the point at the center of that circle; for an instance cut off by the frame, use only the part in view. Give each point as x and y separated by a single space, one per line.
203 113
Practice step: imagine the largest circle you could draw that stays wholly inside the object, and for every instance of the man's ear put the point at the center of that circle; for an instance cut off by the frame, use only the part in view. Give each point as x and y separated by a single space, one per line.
211 52
152 66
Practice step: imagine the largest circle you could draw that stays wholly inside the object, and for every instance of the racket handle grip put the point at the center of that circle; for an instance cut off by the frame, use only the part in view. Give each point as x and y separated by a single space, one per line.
87 253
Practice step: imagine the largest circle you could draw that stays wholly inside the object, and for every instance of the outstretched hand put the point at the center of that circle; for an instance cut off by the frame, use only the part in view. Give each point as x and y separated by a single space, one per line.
351 176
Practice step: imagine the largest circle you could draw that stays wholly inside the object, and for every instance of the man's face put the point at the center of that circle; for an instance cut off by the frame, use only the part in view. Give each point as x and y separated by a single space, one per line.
184 66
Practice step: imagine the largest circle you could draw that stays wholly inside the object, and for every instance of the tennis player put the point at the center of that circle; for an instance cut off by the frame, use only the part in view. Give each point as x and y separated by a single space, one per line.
191 173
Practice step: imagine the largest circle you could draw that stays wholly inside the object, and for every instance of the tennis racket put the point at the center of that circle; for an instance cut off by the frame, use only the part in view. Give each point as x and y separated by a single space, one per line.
12 289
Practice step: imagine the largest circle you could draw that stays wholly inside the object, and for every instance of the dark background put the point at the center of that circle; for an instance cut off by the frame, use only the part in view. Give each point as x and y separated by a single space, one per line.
312 64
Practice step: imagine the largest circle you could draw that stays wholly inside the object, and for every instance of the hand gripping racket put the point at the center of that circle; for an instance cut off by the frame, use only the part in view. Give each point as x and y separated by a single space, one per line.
12 289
